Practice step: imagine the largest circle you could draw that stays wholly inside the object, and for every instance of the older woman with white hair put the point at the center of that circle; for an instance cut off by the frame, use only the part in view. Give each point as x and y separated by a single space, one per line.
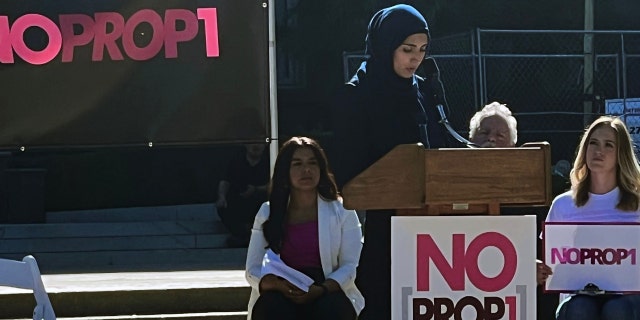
493 127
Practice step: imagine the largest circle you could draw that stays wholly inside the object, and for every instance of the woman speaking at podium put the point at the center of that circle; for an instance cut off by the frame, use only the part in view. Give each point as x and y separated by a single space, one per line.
385 104
605 187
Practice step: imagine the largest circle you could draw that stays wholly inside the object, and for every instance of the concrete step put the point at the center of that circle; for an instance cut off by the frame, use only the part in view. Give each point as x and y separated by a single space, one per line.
130 263
114 243
240 315
198 212
185 237
137 260
107 229
188 294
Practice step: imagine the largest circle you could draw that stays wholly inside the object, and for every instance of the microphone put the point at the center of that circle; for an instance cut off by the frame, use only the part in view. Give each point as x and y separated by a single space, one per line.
433 74
445 122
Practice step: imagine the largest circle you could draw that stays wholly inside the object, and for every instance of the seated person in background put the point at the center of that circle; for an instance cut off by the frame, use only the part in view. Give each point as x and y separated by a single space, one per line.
241 192
305 223
493 127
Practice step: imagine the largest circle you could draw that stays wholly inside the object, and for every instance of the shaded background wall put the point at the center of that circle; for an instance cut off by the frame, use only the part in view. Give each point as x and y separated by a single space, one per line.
527 85
112 178
311 37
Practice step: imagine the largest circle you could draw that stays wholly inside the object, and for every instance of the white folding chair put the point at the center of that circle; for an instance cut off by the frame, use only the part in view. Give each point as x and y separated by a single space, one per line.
26 275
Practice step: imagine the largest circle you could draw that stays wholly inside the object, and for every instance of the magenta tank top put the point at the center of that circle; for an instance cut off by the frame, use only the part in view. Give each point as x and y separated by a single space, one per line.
300 248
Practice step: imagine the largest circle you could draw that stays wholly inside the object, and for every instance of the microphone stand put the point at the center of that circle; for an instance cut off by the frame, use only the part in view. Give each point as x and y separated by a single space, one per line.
430 68
444 121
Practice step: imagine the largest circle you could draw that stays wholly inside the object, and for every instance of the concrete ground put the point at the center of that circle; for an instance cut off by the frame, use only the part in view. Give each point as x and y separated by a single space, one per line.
103 295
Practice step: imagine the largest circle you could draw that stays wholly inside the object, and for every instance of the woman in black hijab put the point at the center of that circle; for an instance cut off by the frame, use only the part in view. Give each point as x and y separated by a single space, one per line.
385 104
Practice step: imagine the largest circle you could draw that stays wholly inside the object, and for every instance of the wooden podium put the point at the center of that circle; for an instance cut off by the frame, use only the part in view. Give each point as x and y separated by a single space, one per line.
418 181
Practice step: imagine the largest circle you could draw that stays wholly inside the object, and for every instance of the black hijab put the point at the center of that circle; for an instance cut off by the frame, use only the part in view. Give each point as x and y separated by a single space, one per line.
387 30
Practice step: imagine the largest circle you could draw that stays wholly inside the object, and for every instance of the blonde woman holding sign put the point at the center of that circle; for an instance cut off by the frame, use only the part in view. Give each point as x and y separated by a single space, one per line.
605 187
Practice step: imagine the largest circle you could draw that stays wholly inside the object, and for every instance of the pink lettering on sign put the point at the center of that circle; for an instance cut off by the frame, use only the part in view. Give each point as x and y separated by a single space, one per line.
490 308
210 17
104 29
154 46
107 40
71 40
608 256
172 36
465 261
16 34
6 52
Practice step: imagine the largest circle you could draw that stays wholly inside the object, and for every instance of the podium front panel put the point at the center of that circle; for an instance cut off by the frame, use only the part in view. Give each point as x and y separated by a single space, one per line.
498 175
394 181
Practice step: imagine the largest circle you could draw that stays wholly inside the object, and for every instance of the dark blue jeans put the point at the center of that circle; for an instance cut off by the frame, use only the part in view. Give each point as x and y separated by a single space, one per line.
605 307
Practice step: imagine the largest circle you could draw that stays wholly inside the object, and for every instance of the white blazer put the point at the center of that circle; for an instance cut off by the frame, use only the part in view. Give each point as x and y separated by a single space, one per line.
339 236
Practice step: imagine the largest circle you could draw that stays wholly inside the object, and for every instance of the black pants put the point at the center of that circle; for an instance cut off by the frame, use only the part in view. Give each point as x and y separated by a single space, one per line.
374 271
272 305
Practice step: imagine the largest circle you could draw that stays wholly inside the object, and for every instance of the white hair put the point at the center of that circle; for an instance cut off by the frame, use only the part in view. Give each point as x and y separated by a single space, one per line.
494 109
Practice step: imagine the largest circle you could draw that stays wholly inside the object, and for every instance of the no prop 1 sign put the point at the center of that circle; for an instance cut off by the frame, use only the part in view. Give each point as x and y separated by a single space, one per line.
480 267
602 254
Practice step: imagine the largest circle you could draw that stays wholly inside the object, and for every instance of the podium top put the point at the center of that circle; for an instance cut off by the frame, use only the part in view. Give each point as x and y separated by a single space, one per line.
411 177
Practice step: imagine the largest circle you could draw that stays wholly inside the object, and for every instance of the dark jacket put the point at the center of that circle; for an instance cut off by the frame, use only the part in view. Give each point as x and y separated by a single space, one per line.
378 110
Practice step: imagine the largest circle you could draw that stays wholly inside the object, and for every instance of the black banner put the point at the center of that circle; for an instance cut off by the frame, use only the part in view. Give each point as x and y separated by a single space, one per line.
77 73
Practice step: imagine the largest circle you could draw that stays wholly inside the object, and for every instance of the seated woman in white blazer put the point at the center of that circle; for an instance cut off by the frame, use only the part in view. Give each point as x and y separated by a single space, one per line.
304 247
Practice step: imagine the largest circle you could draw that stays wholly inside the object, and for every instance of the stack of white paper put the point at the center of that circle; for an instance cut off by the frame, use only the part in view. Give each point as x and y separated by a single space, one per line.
271 263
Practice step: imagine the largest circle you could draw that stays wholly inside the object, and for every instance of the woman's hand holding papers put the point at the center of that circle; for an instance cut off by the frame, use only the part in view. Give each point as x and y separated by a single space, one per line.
270 282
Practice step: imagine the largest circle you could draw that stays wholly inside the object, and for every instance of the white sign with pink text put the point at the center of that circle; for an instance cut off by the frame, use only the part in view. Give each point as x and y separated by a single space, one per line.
602 254
463 267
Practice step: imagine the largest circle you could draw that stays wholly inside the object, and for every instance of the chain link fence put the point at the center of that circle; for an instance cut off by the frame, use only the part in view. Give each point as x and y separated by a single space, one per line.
540 75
